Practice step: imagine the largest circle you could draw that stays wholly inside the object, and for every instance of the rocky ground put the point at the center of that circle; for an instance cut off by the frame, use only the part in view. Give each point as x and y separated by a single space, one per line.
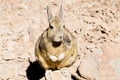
94 23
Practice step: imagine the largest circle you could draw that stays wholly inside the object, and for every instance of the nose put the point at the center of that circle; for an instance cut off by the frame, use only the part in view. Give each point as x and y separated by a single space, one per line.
60 37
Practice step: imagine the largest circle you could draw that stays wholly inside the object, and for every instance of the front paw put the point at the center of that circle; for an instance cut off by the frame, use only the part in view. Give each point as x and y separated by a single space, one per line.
61 56
53 58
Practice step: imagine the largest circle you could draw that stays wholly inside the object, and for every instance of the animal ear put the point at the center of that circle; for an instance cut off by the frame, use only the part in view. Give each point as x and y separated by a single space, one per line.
61 12
49 13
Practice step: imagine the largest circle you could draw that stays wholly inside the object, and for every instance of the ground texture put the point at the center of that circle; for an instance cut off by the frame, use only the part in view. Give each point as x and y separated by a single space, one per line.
94 23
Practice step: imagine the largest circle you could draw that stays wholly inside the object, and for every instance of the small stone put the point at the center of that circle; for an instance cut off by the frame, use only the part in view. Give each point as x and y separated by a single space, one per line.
34 33
48 75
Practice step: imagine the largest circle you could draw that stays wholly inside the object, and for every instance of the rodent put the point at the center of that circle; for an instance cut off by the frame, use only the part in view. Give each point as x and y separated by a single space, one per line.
56 47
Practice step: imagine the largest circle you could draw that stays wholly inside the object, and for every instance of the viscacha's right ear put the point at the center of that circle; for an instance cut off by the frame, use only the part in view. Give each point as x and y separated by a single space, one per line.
61 12
50 16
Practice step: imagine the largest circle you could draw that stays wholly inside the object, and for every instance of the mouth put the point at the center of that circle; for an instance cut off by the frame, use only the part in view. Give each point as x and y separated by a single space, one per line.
56 43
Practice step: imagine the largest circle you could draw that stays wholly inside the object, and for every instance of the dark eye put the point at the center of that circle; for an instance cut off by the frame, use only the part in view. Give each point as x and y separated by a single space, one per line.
51 27
64 26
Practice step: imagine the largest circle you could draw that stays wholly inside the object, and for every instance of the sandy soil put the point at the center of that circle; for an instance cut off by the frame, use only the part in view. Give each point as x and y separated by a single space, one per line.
94 23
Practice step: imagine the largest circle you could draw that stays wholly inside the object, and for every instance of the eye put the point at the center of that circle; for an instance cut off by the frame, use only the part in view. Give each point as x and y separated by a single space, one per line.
51 27
64 26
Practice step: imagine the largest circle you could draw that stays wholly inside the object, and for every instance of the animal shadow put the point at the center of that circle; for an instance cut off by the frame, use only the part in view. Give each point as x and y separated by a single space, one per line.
35 71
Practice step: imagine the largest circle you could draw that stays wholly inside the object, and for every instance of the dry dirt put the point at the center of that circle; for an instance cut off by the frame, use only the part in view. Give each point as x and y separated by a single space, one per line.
94 23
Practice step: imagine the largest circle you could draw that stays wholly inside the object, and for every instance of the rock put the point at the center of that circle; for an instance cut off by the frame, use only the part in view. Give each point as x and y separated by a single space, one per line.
66 74
110 61
62 74
104 65
89 67
94 23
34 33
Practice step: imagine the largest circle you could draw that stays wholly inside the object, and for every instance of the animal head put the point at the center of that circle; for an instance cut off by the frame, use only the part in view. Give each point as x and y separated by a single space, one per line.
56 26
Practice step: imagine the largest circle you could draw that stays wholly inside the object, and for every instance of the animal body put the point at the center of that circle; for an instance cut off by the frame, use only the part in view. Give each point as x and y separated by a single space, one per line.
56 47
